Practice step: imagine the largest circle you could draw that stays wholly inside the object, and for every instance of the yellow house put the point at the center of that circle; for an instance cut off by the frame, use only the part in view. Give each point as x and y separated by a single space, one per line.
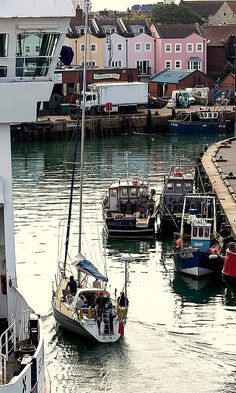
95 50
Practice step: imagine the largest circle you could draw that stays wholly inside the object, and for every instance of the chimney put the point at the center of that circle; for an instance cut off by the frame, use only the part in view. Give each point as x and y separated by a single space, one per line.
78 14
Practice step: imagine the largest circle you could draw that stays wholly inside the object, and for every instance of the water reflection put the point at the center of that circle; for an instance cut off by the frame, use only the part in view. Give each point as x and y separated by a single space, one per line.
197 291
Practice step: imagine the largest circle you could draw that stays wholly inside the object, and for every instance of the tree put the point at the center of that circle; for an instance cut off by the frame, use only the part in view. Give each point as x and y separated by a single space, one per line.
173 13
228 69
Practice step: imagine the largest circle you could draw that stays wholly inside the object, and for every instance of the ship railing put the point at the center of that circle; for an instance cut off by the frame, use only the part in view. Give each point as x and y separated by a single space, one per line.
7 346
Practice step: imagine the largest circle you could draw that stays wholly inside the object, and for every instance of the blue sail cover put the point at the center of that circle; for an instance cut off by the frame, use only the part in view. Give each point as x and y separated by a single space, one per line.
91 269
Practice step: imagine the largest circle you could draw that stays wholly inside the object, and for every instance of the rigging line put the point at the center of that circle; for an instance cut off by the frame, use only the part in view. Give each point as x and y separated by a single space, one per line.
83 125
71 199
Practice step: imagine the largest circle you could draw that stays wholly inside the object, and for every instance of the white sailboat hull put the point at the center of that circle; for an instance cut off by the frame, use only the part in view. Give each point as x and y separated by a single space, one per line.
88 329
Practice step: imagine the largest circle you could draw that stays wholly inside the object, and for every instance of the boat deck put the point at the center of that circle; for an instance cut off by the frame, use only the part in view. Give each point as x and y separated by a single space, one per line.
219 162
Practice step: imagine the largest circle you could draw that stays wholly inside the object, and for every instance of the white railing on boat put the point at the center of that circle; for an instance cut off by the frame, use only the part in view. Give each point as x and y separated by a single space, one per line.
7 346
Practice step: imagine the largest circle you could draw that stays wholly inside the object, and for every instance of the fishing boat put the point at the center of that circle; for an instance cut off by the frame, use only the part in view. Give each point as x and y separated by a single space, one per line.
229 267
88 310
196 251
25 80
178 183
206 120
129 208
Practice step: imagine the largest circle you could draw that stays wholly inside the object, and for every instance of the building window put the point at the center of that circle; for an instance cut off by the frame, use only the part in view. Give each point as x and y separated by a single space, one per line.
194 65
177 64
168 64
81 31
116 64
199 47
82 47
147 47
27 49
91 63
137 47
178 47
93 47
37 48
168 48
144 67
119 46
189 47
3 45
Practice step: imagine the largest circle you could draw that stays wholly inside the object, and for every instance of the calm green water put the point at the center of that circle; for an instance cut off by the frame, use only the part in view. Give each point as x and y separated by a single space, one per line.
180 335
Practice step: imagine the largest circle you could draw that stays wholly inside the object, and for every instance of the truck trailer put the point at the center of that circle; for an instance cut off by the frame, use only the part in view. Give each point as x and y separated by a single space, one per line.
116 97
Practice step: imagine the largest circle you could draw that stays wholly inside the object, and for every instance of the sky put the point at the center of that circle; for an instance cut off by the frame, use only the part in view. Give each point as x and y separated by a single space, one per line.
119 5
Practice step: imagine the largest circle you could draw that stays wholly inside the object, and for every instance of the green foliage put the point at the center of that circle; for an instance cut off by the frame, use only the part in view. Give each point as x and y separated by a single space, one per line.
173 13
228 69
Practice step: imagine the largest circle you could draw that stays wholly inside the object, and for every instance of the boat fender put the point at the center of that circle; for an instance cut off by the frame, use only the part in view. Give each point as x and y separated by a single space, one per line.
121 328
102 327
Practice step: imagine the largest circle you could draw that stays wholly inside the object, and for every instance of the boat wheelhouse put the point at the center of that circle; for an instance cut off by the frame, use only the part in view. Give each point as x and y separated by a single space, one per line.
196 251
179 182
129 209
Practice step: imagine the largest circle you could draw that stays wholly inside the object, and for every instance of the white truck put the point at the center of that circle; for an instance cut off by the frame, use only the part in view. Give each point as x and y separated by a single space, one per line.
116 97
181 99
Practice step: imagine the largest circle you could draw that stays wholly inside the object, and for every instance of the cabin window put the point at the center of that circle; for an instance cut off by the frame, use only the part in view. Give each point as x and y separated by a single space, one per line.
3 72
170 186
143 191
133 191
200 232
3 45
206 232
188 187
113 193
178 185
124 191
195 232
30 62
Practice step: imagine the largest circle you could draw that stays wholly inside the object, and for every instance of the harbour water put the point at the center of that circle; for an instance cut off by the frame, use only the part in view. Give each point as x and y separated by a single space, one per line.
180 335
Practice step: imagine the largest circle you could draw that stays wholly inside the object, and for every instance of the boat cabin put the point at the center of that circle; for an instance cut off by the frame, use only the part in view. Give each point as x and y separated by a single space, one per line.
200 234
127 195
177 185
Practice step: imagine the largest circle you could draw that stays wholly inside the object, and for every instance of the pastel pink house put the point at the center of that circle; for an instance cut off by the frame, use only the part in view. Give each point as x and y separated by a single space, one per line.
179 47
141 54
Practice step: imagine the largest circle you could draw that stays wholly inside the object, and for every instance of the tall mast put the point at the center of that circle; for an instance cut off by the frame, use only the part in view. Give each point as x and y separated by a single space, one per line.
87 6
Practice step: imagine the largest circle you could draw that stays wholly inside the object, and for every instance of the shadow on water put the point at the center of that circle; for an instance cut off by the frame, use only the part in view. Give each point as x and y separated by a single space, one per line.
197 291
131 246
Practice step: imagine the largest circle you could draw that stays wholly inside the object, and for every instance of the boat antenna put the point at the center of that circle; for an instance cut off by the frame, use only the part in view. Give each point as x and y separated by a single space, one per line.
87 8
126 155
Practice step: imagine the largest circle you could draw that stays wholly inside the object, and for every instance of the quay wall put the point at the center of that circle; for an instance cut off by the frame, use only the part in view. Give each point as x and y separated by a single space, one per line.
153 121
219 163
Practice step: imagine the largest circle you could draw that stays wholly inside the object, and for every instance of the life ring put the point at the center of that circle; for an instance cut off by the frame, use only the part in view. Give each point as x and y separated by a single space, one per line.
178 173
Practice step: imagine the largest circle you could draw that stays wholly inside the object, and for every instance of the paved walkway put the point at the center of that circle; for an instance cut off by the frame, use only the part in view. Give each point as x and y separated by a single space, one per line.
219 162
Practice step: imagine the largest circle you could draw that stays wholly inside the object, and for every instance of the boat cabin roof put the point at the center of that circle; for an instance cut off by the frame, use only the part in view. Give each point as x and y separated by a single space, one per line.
128 183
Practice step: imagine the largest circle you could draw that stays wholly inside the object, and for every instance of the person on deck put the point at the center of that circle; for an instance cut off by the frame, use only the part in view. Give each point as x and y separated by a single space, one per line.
71 287
96 283
122 300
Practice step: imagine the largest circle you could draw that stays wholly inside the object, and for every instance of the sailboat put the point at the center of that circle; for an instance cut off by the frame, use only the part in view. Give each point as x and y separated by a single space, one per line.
88 310
25 80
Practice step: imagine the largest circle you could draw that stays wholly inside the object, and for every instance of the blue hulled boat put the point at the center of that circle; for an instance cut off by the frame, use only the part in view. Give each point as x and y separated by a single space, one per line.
205 120
196 250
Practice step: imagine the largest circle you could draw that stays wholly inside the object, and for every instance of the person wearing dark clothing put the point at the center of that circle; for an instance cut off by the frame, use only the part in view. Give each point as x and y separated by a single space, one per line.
122 300
71 287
